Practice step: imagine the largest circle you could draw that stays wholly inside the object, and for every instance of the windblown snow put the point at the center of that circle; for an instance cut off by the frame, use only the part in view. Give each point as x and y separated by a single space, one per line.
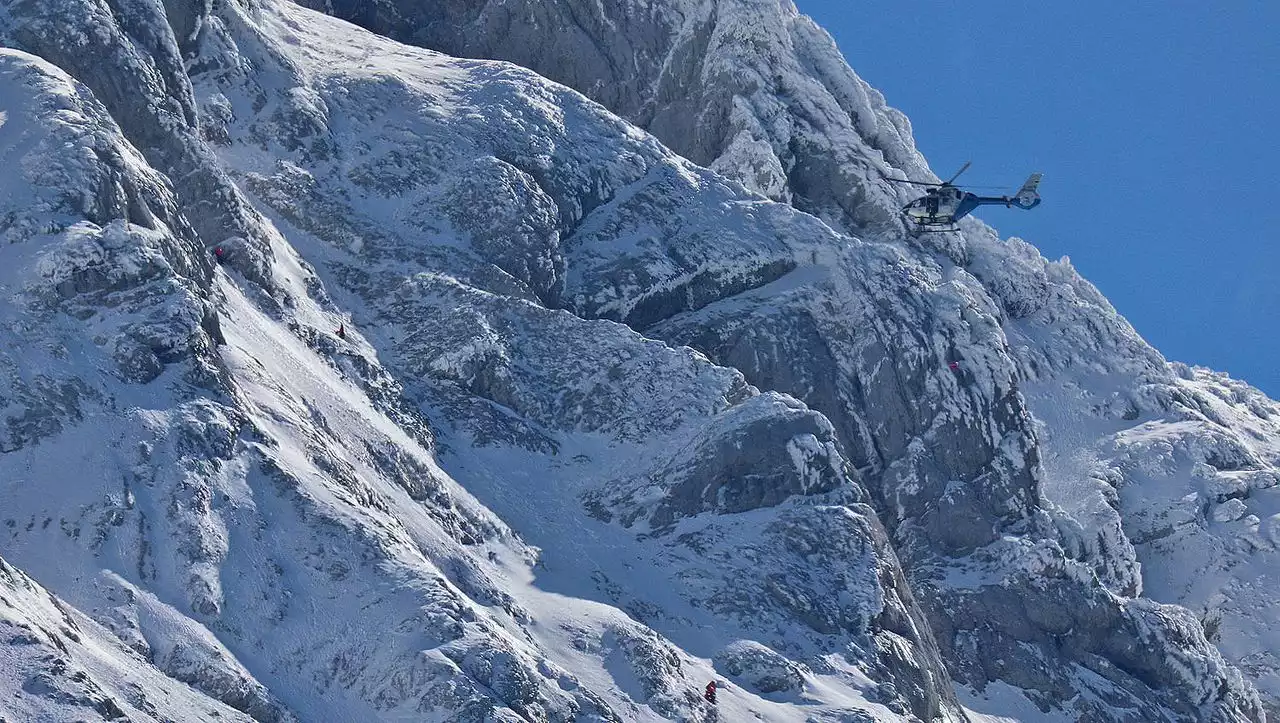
631 395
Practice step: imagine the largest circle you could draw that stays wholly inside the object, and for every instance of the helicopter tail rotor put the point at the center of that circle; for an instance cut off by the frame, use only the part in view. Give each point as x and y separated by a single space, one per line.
1027 197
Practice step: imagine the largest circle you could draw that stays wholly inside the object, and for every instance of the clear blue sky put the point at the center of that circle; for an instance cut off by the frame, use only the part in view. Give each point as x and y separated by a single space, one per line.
1157 127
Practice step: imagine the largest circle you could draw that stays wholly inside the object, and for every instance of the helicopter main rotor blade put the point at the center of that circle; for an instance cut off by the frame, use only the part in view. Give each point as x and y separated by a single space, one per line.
963 168
913 183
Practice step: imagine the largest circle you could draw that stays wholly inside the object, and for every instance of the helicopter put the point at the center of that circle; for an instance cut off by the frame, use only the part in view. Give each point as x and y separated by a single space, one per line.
944 203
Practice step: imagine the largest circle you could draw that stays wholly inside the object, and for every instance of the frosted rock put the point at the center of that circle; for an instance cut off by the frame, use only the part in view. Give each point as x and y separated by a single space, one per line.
759 668
510 491
1230 511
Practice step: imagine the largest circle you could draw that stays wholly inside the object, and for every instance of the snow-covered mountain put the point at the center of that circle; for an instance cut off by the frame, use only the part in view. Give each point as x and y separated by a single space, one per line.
632 393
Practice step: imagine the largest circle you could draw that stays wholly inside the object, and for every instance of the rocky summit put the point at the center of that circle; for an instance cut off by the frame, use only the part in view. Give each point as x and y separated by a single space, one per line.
544 360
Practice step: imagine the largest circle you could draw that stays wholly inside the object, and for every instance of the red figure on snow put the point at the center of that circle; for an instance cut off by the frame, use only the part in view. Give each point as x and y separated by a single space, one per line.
710 693
342 331
954 366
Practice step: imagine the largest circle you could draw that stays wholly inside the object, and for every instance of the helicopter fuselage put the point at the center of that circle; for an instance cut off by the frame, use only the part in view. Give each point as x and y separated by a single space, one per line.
945 205
937 207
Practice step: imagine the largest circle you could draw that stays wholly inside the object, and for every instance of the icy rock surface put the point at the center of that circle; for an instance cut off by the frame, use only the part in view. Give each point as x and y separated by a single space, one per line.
750 88
57 664
255 507
757 92
759 668
510 493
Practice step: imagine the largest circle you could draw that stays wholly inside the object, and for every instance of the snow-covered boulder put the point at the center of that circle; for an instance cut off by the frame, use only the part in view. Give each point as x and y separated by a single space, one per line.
755 666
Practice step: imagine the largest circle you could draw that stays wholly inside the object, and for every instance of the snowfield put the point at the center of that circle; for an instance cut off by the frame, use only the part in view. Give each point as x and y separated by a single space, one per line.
637 389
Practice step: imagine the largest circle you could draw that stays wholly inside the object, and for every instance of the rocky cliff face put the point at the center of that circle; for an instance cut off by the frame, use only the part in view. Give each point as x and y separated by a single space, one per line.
604 424
756 91
750 88
61 665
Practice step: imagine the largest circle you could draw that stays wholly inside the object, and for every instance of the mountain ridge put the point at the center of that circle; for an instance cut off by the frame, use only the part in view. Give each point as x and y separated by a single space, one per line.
481 189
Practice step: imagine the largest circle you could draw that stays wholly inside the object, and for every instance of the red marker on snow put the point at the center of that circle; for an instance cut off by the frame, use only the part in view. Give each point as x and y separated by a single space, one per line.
954 366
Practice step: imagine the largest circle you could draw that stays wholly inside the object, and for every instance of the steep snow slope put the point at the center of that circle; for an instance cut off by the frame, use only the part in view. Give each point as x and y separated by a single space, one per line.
1171 472
278 504
750 88
1174 474
252 506
57 665
554 380
758 92
89 225
630 258
214 518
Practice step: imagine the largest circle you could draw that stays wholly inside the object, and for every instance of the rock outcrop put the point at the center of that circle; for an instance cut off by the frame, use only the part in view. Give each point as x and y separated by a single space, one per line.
613 413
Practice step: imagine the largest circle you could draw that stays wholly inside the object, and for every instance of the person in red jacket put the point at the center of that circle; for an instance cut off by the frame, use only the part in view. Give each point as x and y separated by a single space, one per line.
710 693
